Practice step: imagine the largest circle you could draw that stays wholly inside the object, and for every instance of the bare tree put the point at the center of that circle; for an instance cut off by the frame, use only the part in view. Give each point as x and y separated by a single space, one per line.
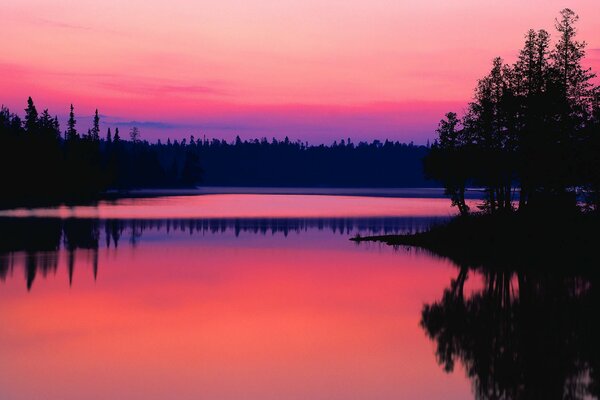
134 134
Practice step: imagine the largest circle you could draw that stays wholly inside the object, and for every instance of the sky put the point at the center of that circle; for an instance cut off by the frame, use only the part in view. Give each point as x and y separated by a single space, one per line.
312 70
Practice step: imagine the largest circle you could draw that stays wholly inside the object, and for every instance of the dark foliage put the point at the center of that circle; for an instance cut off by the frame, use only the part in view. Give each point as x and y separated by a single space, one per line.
297 164
532 131
40 165
521 240
522 335
527 328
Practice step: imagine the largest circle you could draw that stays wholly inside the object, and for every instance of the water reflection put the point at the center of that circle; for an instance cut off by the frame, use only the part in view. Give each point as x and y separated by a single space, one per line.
518 333
526 334
35 243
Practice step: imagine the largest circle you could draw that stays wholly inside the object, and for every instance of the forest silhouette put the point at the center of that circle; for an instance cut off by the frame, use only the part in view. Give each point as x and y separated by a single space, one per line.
530 141
531 136
527 327
39 164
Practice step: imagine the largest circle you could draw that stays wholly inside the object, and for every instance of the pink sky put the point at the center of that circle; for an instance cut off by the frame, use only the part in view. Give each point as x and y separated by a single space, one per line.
309 69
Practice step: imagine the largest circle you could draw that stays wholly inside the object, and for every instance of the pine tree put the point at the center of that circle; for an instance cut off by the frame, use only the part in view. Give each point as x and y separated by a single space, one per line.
95 131
46 124
31 117
56 126
108 136
116 138
567 56
71 133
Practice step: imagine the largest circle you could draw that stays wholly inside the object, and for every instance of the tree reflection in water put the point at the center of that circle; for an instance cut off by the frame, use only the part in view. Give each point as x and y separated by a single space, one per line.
36 242
526 334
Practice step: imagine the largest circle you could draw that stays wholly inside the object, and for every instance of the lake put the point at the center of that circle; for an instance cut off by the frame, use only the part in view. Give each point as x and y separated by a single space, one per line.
229 296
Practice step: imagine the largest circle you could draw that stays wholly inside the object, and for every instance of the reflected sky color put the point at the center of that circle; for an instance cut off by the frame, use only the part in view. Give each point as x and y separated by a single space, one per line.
248 206
308 69
173 312
256 317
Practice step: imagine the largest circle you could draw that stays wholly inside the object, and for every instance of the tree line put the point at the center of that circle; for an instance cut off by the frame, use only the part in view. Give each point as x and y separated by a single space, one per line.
531 135
287 163
39 163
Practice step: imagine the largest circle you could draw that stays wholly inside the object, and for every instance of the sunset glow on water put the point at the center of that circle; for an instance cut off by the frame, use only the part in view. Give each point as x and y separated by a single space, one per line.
249 206
299 200
187 314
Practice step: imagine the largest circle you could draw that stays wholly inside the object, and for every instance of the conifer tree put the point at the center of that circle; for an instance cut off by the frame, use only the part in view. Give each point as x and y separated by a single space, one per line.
95 131
567 56
31 117
56 126
71 133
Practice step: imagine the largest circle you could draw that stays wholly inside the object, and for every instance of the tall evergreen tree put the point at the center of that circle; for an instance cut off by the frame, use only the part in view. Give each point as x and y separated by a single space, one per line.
531 123
71 133
534 100
31 117
56 125
47 126
567 56
95 131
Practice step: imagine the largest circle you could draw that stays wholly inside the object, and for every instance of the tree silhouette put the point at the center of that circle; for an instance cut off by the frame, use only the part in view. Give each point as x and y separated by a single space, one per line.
71 133
448 161
530 129
31 117
134 134
95 131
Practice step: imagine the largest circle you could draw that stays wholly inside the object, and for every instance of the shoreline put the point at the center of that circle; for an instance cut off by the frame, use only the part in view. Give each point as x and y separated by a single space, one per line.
514 241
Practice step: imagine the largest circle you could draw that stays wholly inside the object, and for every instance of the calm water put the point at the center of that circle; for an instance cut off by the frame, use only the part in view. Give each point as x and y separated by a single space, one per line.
230 297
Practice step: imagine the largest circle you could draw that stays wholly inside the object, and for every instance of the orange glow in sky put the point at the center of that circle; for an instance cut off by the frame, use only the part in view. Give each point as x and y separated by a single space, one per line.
313 70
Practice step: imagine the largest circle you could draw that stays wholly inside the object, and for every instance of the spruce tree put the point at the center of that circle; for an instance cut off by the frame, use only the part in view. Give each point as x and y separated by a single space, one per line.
574 80
46 124
56 126
95 131
71 133
31 117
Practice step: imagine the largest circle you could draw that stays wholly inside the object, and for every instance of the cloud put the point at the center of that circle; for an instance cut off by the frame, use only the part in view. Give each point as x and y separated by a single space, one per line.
160 89
62 25
144 124
114 82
